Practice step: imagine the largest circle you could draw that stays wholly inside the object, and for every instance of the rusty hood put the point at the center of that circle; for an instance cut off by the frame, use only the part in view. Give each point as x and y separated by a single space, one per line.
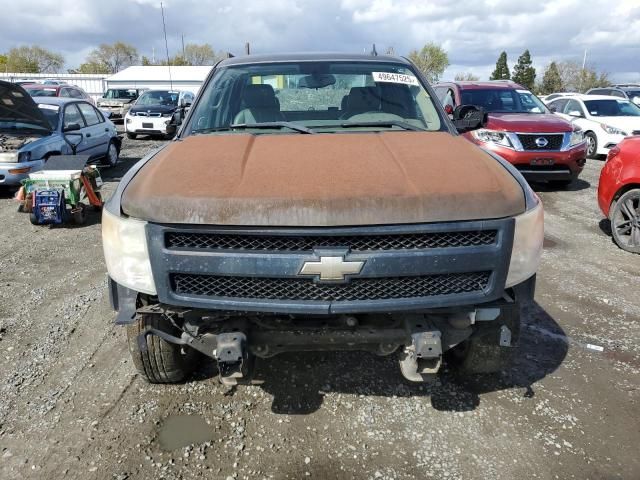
322 180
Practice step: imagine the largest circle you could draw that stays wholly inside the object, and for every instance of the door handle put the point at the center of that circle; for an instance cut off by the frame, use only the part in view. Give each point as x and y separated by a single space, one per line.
88 135
106 129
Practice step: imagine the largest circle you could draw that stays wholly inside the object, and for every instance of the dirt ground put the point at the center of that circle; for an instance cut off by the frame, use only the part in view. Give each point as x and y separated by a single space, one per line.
72 406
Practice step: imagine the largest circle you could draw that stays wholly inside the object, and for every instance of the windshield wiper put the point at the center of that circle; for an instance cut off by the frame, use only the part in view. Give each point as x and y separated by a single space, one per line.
243 126
384 124
290 125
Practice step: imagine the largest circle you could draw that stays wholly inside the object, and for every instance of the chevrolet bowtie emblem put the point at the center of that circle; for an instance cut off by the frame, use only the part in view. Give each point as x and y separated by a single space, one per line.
331 268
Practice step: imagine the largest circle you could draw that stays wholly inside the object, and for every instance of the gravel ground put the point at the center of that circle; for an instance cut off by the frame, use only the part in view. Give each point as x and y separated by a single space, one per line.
73 407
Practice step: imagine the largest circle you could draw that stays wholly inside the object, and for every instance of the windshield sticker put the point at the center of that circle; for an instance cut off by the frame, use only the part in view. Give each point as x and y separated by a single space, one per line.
394 78
523 91
44 106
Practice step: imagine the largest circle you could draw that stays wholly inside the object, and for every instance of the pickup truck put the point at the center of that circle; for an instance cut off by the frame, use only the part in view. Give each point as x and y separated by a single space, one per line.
321 202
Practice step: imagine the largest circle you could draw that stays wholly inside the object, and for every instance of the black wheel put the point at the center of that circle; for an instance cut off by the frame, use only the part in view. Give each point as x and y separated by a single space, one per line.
157 360
33 219
80 215
625 221
111 158
131 136
482 352
592 145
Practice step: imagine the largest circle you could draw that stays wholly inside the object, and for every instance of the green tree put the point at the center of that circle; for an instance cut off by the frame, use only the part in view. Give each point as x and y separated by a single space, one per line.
204 54
33 59
466 77
523 72
3 63
502 69
431 60
551 80
578 79
113 58
91 67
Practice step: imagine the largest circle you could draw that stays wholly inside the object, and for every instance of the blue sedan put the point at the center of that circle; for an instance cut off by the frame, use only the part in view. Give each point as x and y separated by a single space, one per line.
34 129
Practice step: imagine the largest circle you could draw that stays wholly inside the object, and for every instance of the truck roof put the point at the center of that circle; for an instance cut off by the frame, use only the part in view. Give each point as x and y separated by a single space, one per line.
311 57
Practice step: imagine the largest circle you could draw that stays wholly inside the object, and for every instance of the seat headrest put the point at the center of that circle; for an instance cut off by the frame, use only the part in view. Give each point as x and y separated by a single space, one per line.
259 96
364 99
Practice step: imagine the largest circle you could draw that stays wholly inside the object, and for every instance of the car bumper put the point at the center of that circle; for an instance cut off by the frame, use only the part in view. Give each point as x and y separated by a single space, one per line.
607 141
148 125
14 173
543 165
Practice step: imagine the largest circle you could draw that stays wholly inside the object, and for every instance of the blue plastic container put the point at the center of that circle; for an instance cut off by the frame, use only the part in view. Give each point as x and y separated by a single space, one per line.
49 206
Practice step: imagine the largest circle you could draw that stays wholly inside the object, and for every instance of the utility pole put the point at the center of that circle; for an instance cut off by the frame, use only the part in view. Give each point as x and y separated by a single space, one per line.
183 46
247 48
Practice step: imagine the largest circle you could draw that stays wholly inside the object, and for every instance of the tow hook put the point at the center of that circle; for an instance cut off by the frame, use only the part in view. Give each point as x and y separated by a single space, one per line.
420 361
234 361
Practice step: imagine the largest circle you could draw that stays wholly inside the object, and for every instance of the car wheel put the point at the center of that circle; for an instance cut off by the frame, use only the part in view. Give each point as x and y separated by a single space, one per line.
592 144
111 158
155 359
131 136
625 221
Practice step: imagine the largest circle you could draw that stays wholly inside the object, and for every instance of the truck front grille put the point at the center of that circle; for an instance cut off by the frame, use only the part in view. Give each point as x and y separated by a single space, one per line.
528 141
356 243
253 288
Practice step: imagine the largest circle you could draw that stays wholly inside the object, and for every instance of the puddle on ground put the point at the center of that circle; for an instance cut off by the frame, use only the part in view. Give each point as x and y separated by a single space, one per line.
178 431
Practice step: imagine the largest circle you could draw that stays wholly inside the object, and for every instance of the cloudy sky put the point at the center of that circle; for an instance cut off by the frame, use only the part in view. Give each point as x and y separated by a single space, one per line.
472 31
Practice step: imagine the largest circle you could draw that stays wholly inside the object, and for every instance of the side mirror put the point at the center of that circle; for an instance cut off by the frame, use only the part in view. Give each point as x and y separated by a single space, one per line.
448 109
553 109
469 117
72 127
575 113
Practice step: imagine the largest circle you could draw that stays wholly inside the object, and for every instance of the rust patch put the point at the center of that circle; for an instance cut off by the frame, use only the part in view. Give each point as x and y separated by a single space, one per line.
322 180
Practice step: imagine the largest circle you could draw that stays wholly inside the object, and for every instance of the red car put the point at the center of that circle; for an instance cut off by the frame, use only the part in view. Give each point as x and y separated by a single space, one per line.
521 129
68 91
619 193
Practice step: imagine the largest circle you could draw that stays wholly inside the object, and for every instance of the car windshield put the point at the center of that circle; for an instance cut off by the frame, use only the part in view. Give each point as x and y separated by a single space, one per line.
158 97
51 113
42 91
128 94
632 93
612 108
312 97
503 100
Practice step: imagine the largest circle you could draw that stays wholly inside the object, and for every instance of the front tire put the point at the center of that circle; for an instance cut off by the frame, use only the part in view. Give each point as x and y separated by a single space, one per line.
592 145
131 136
625 221
111 158
157 360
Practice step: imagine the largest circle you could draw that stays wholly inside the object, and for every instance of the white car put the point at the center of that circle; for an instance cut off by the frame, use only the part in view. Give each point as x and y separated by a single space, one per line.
605 120
157 112
552 96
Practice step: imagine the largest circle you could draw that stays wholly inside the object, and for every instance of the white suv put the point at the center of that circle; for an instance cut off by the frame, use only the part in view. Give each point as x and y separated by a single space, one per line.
156 112
605 120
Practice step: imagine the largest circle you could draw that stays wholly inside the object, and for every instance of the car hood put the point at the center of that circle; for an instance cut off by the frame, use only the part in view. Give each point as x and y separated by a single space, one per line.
322 180
17 106
528 123
628 124
153 108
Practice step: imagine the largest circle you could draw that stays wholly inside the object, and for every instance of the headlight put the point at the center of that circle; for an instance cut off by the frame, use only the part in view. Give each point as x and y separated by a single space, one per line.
576 137
527 245
125 252
8 157
492 136
24 157
612 130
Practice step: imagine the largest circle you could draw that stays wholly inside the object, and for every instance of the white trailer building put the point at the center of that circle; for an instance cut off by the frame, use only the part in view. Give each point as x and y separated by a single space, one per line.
93 84
160 77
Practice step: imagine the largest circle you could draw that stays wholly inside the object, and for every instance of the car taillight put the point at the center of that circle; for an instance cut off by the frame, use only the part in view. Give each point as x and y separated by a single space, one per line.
613 152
